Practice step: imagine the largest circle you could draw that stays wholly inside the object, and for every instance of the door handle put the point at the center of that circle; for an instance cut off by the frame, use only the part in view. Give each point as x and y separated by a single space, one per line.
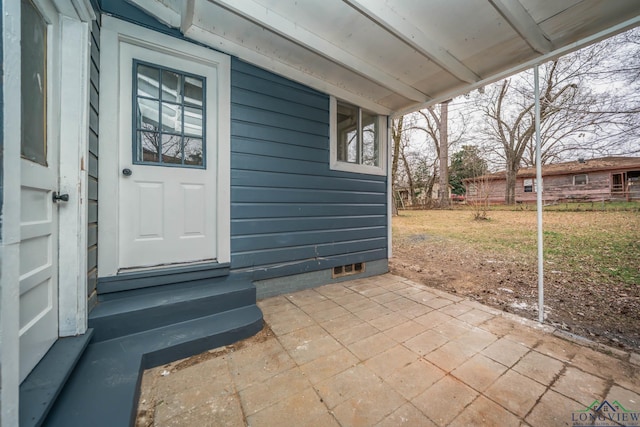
126 172
59 197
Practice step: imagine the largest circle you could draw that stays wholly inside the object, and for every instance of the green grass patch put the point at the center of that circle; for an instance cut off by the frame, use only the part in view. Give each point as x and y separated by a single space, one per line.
633 206
601 245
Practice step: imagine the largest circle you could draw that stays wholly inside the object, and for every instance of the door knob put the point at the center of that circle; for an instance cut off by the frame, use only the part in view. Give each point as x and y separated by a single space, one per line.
60 197
126 172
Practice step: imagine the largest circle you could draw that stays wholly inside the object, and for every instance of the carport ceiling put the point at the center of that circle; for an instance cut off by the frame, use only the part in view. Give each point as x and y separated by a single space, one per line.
395 56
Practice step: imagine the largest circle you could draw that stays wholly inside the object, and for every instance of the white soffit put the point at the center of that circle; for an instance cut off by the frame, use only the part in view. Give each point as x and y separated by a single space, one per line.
396 56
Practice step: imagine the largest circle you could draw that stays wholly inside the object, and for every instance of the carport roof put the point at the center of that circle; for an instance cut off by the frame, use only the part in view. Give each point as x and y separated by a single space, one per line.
396 56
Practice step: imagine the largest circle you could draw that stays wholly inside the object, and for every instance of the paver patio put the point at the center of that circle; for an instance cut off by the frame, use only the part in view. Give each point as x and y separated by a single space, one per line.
387 351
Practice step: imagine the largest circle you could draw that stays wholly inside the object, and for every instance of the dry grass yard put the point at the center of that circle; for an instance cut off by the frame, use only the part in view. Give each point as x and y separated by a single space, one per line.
592 264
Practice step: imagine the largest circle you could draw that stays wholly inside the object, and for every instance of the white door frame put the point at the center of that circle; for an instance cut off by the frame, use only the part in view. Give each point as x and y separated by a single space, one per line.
75 55
113 32
74 38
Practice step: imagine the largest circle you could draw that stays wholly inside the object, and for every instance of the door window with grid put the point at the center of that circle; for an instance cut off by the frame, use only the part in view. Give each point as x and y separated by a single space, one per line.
169 117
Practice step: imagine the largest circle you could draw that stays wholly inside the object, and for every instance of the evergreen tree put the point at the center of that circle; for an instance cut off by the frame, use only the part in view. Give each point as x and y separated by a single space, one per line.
466 163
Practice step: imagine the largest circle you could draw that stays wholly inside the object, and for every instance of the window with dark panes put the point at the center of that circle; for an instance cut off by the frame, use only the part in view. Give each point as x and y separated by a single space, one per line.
33 88
358 140
169 117
581 179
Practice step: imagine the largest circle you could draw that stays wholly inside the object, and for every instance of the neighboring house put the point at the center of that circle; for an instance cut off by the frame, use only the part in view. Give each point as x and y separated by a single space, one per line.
170 161
607 178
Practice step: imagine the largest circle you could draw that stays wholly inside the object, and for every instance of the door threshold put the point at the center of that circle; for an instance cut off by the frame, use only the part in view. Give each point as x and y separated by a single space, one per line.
161 275
164 267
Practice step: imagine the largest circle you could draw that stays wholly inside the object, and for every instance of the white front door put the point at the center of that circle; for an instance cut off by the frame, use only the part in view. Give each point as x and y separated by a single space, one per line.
167 159
38 182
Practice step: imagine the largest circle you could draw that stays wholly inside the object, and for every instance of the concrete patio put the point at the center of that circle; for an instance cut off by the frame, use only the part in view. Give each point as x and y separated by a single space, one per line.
386 351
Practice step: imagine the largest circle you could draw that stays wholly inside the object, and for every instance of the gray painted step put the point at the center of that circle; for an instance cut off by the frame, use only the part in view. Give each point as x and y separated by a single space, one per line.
152 309
104 388
159 277
40 389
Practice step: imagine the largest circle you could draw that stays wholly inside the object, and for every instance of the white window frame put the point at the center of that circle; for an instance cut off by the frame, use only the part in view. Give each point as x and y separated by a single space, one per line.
533 183
586 178
336 164
472 189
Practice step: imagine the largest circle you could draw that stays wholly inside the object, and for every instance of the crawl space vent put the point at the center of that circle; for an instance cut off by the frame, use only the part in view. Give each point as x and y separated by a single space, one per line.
348 270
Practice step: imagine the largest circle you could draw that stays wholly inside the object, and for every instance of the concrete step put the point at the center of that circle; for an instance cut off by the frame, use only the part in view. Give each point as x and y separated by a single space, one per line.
104 388
40 389
156 307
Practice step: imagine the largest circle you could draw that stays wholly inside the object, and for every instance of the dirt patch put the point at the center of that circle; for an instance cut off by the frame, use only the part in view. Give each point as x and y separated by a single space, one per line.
264 334
606 313
147 401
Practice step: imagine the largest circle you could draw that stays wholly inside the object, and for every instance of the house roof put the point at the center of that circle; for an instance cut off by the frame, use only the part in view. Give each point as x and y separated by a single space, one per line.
396 56
572 168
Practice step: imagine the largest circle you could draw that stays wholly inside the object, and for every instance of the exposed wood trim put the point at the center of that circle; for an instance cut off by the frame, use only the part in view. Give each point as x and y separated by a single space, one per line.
76 9
383 15
520 20
267 18
74 149
84 10
161 11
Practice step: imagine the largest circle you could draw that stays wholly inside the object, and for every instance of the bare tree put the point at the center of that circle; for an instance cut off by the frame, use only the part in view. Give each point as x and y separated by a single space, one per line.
409 159
437 128
572 113
396 139
418 162
406 169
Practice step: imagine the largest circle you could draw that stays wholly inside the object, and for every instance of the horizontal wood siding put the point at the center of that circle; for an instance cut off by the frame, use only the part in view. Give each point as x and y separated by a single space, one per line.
561 187
92 237
556 188
289 212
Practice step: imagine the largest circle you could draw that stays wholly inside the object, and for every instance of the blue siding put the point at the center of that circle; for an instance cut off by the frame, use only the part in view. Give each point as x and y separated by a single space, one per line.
290 213
94 93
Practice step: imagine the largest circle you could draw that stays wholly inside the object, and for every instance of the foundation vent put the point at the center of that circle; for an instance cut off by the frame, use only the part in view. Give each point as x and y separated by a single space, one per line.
348 270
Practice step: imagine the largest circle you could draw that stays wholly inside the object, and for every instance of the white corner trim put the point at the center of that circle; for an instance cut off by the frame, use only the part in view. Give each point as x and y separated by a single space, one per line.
388 149
10 242
108 159
74 148
223 190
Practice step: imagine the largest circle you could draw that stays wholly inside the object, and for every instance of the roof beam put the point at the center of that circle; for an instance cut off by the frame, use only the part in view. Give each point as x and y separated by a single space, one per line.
520 20
380 13
563 50
166 12
193 29
282 26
